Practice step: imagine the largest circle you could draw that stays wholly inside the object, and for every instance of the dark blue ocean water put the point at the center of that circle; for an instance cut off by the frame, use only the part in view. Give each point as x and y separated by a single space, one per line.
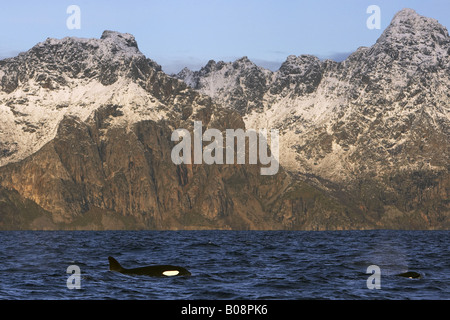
226 264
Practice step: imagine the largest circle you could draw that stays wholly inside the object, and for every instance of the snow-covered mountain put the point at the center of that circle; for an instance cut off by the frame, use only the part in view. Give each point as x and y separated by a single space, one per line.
386 106
70 76
85 140
85 137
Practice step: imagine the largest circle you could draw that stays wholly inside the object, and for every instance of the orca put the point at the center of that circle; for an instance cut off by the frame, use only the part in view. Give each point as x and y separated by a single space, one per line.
154 271
410 274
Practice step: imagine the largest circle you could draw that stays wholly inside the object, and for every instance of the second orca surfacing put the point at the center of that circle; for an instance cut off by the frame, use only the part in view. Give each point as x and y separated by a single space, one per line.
153 271
410 275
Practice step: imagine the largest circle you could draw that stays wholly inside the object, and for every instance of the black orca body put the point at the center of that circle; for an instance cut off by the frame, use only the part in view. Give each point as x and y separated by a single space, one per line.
154 271
410 274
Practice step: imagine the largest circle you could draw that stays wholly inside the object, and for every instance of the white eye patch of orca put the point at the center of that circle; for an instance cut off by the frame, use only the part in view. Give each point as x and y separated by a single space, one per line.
170 273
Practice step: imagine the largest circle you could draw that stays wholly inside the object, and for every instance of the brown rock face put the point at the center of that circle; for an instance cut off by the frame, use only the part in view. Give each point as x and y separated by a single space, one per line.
129 171
94 175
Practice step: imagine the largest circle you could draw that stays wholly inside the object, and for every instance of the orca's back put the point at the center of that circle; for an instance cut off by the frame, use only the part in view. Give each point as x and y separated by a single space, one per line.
156 271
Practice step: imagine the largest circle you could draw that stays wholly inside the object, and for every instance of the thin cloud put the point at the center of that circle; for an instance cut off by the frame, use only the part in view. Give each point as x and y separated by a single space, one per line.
176 65
9 54
336 56
268 64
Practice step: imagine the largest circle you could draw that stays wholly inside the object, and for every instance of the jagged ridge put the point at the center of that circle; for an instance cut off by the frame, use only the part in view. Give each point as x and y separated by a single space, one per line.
103 154
381 115
365 140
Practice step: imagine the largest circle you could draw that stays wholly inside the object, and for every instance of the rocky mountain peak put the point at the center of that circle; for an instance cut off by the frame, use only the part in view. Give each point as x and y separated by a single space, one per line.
126 38
409 28
73 76
111 46
411 19
243 62
188 77
57 62
333 115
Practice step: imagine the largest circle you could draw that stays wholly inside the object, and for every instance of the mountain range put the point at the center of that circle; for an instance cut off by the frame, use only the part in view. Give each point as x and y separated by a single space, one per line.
86 124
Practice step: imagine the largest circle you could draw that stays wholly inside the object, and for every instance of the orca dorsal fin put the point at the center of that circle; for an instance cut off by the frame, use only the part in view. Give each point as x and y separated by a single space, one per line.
114 265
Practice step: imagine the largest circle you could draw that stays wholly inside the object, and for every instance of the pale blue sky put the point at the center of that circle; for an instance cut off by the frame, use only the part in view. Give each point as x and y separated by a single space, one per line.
178 33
